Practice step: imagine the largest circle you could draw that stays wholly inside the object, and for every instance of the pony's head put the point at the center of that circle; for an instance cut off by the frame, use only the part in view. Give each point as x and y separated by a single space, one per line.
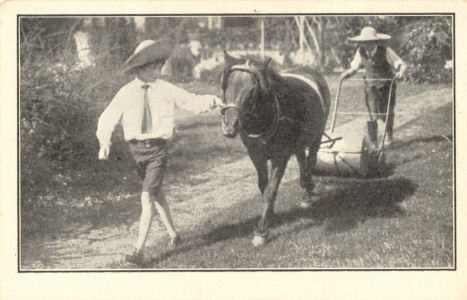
243 86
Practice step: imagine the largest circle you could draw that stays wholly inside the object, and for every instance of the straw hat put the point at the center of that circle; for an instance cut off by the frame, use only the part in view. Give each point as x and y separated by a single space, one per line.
369 34
148 51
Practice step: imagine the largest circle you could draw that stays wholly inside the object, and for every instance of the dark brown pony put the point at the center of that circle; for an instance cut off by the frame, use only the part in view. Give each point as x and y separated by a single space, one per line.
277 116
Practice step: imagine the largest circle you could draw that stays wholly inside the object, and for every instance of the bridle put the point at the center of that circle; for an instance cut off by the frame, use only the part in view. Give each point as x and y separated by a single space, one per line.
265 136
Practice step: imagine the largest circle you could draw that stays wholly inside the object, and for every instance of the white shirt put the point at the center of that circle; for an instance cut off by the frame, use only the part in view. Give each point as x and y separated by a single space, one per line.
128 106
393 59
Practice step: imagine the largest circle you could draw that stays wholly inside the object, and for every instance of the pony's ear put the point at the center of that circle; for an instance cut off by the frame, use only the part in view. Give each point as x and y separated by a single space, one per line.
267 62
230 60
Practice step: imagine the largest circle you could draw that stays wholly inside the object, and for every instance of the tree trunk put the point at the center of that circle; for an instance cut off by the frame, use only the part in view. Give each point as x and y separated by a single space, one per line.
210 23
262 37
313 35
301 32
319 38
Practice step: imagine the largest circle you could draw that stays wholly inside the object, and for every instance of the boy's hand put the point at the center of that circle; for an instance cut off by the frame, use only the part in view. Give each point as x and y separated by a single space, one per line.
400 74
104 152
345 75
400 71
215 102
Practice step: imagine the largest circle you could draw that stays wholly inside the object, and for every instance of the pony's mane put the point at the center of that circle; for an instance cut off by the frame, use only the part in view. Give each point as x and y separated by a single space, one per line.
267 76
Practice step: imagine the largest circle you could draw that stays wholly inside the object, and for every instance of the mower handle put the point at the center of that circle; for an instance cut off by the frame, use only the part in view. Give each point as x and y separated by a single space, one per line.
341 80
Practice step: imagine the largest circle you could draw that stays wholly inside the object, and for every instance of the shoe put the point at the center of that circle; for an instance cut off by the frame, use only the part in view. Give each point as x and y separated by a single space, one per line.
175 241
136 257
388 142
372 148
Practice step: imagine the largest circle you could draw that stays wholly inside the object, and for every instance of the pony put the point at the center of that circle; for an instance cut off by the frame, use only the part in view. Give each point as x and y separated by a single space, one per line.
276 116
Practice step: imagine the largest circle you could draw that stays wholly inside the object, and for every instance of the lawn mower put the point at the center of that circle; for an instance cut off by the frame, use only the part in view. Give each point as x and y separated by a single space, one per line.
345 150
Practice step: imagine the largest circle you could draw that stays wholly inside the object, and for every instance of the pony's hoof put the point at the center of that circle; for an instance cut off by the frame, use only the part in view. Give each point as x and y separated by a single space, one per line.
259 241
308 201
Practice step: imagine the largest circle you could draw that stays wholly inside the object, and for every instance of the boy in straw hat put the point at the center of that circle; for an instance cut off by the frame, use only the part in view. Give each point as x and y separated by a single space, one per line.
378 62
145 107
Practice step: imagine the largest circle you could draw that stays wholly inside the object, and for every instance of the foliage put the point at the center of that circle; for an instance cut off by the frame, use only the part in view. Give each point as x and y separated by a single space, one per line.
181 64
423 42
59 105
212 76
47 35
56 112
232 38
169 27
113 42
426 48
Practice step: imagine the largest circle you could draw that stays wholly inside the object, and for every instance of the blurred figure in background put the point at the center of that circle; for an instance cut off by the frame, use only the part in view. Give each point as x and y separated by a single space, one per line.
183 60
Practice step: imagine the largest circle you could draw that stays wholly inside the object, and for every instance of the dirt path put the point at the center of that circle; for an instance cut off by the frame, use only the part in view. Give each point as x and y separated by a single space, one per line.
89 248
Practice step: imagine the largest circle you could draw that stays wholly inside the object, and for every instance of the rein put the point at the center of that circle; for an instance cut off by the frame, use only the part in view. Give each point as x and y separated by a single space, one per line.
271 131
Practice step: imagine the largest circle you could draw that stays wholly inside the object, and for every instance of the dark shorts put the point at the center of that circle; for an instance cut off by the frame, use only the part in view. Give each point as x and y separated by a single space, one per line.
377 98
151 161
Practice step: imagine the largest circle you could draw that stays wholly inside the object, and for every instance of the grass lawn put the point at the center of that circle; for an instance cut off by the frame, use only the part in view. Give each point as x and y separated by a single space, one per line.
402 221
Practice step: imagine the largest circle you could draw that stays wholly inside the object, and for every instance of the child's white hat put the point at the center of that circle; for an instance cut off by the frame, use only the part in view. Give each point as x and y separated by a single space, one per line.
147 52
369 34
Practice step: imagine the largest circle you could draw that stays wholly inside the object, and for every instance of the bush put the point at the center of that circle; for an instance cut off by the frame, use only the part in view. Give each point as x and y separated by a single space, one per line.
427 45
423 42
212 76
232 38
181 64
59 107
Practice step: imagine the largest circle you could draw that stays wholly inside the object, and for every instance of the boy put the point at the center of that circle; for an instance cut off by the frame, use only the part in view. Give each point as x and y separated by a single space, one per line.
145 107
377 61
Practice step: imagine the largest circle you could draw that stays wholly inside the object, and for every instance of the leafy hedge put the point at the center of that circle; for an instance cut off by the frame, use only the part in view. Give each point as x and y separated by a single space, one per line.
59 107
181 64
423 42
212 76
426 48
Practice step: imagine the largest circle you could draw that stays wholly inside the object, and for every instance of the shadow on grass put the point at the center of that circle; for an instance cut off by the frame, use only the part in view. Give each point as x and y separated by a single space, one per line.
425 139
352 201
356 201
408 151
124 212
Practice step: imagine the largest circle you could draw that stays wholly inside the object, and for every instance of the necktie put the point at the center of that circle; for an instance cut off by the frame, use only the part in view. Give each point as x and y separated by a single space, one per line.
147 120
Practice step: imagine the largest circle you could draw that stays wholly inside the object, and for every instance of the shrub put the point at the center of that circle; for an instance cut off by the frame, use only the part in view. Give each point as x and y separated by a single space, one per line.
181 64
59 107
427 45
212 76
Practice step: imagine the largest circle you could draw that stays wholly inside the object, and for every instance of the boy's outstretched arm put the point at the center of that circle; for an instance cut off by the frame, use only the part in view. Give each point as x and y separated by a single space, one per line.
397 63
355 65
193 102
348 73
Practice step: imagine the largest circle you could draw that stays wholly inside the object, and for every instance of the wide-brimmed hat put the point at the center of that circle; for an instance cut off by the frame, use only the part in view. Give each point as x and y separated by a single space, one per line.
369 34
147 52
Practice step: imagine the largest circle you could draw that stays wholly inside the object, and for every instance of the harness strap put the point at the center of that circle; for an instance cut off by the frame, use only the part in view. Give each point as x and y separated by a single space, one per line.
271 131
313 85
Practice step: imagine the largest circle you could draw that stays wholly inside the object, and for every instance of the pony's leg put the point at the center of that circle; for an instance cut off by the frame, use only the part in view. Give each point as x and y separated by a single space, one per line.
278 166
305 182
261 165
309 197
301 159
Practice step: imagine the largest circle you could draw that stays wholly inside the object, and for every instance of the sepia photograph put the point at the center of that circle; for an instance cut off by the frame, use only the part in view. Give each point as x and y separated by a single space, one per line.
232 150
236 142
